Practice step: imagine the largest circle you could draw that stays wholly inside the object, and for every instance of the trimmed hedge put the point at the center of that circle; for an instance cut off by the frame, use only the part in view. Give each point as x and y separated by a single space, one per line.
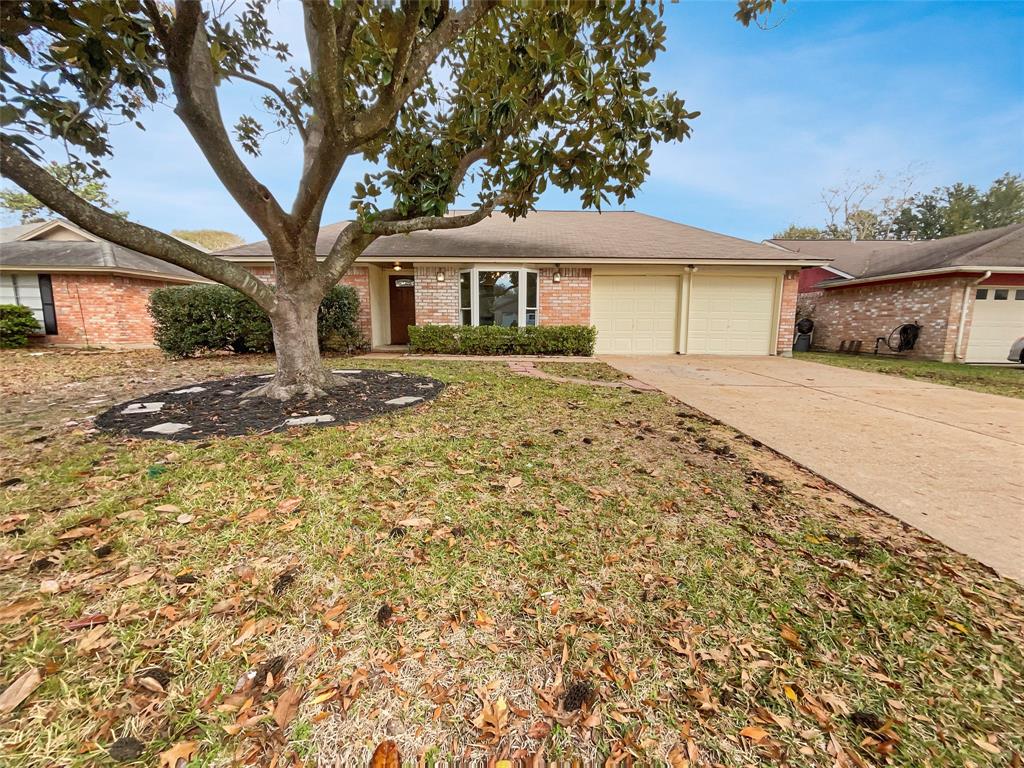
192 319
17 323
498 340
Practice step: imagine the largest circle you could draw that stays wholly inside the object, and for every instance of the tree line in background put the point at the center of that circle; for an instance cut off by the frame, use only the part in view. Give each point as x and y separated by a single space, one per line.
881 208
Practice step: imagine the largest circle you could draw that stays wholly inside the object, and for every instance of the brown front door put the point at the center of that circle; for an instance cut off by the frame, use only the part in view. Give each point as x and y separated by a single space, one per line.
402 296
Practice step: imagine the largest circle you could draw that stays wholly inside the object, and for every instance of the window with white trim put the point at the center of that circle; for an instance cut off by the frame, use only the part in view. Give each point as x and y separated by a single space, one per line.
499 296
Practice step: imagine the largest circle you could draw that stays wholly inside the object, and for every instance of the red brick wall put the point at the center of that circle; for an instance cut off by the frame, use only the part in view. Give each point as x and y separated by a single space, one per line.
865 312
437 303
787 310
566 302
102 310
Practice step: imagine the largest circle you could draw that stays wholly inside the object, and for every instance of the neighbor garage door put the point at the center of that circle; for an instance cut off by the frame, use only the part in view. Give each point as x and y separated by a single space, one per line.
730 315
635 315
998 321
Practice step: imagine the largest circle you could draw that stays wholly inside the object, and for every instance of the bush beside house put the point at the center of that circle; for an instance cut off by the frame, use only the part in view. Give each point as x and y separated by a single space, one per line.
212 318
17 323
576 340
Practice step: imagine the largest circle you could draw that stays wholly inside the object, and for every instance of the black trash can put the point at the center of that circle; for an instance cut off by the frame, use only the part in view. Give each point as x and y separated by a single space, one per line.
804 335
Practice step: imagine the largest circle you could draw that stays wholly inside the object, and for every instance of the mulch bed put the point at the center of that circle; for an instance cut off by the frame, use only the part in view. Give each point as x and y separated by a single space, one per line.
217 409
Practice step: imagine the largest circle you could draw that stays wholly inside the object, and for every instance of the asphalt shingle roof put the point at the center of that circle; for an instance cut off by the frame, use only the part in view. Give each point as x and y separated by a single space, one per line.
990 248
565 235
85 254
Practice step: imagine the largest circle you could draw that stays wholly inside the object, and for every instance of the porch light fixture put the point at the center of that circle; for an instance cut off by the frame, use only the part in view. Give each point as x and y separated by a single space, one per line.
557 276
440 275
397 267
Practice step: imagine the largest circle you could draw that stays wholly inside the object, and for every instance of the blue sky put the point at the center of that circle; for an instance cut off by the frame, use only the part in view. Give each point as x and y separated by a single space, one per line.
837 89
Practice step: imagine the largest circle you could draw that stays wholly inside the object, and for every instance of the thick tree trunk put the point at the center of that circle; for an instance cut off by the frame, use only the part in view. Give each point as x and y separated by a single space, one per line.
300 372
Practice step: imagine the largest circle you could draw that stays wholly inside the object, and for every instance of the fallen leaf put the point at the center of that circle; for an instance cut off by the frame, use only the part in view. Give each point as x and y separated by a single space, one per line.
93 639
19 690
78 533
754 733
168 509
791 637
178 755
87 622
514 482
139 578
386 756
185 518
288 505
287 706
415 522
16 610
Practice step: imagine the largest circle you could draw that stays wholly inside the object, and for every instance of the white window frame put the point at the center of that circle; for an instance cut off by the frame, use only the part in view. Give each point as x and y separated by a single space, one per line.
474 291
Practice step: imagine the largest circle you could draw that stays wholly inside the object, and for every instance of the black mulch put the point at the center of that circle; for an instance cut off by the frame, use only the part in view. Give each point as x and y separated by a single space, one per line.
219 410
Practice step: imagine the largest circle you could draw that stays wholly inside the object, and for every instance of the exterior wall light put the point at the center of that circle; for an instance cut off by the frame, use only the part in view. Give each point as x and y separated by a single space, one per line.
557 276
440 275
397 267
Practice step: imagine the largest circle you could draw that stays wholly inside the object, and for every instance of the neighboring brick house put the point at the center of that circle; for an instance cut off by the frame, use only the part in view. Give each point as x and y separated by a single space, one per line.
966 292
84 291
650 286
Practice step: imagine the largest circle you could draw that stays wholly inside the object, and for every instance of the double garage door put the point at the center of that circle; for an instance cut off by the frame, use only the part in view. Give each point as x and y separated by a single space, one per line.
640 315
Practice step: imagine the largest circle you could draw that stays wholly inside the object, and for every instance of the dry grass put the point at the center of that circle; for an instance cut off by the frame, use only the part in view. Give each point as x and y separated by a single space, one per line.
721 602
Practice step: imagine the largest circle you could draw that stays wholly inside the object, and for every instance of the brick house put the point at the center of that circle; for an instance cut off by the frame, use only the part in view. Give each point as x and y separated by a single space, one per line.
966 292
650 286
84 291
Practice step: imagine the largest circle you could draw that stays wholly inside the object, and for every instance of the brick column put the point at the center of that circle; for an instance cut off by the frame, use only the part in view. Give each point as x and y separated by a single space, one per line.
358 277
787 311
566 302
437 303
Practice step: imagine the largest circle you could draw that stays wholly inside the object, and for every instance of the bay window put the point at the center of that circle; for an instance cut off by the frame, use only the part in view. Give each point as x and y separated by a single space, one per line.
506 297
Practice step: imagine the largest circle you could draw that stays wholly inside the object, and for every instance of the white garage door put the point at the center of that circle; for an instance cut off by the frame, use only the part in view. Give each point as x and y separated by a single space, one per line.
998 321
635 315
730 315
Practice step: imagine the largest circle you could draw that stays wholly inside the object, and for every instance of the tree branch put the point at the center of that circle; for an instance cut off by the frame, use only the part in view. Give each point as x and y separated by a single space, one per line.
378 117
192 77
382 227
279 93
38 182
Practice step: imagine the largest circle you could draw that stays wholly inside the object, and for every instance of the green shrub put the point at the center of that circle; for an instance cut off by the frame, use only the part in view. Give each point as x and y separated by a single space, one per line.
336 322
497 340
17 323
210 318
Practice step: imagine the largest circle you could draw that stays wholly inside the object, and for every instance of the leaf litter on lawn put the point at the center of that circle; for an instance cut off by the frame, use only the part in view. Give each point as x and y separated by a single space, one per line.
664 590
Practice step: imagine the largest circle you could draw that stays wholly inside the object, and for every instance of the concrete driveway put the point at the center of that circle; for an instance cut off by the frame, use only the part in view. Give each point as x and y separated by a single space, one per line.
948 461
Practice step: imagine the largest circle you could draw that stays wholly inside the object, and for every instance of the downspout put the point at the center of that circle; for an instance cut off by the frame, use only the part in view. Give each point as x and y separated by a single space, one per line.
959 354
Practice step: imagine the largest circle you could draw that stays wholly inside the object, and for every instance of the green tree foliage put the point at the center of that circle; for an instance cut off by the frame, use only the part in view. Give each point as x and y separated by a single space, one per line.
522 96
945 211
796 232
82 181
210 239
961 208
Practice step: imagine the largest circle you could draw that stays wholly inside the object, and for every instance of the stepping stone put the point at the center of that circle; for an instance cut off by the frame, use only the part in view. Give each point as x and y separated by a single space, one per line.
396 375
424 386
405 400
188 391
302 421
167 428
266 376
226 392
347 373
142 408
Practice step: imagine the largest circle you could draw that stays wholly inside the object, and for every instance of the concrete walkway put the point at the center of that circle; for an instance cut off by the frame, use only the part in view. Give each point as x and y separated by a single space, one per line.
948 461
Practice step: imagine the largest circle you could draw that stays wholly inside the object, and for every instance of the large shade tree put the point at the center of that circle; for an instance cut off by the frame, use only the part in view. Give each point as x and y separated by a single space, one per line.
523 95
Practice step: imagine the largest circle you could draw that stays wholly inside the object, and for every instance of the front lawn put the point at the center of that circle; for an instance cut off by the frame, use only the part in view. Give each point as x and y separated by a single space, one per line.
518 567
996 380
